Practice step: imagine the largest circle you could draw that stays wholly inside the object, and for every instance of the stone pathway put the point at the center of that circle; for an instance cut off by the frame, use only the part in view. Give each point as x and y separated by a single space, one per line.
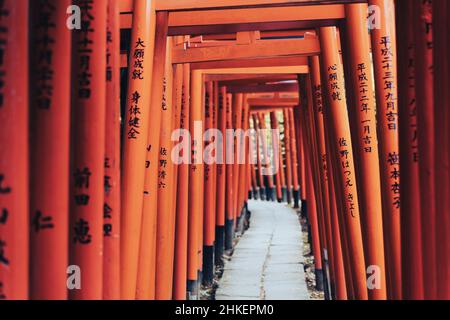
267 261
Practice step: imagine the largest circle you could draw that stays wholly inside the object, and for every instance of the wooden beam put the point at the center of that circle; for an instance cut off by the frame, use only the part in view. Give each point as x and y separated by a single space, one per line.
234 79
257 109
252 63
264 35
183 5
281 87
259 49
258 70
260 102
261 26
256 15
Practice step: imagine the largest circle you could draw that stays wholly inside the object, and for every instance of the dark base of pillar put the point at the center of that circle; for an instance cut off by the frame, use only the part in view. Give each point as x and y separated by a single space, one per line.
304 210
262 193
319 279
270 194
250 194
256 193
310 237
296 199
284 194
241 222
289 196
208 266
229 234
248 215
219 246
200 277
192 289
326 289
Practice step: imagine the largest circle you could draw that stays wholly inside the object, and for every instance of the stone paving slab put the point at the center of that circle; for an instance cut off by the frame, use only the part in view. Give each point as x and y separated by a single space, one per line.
267 261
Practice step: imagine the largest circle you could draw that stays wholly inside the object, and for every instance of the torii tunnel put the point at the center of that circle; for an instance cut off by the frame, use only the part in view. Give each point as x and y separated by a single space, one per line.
139 139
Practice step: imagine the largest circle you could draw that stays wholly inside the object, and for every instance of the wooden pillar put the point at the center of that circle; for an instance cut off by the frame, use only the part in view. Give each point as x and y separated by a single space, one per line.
49 149
196 179
442 140
165 228
360 66
135 143
229 215
210 187
385 66
288 157
111 207
423 21
412 268
181 230
14 215
294 153
88 150
313 220
242 145
221 178
337 105
145 288
262 188
274 126
317 169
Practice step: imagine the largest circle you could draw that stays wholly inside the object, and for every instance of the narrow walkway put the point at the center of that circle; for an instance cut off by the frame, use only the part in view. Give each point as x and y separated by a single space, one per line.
267 262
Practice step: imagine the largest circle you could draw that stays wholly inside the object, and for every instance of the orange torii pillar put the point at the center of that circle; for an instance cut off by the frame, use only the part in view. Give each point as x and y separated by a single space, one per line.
333 163
412 267
282 173
360 65
310 154
238 112
175 156
111 207
49 174
295 182
288 157
318 119
196 179
274 126
254 185
313 219
254 158
229 158
135 143
441 51
202 220
218 145
318 185
262 187
14 214
340 292
176 122
181 228
165 228
145 287
210 187
301 161
385 64
221 177
88 150
242 156
338 115
423 21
